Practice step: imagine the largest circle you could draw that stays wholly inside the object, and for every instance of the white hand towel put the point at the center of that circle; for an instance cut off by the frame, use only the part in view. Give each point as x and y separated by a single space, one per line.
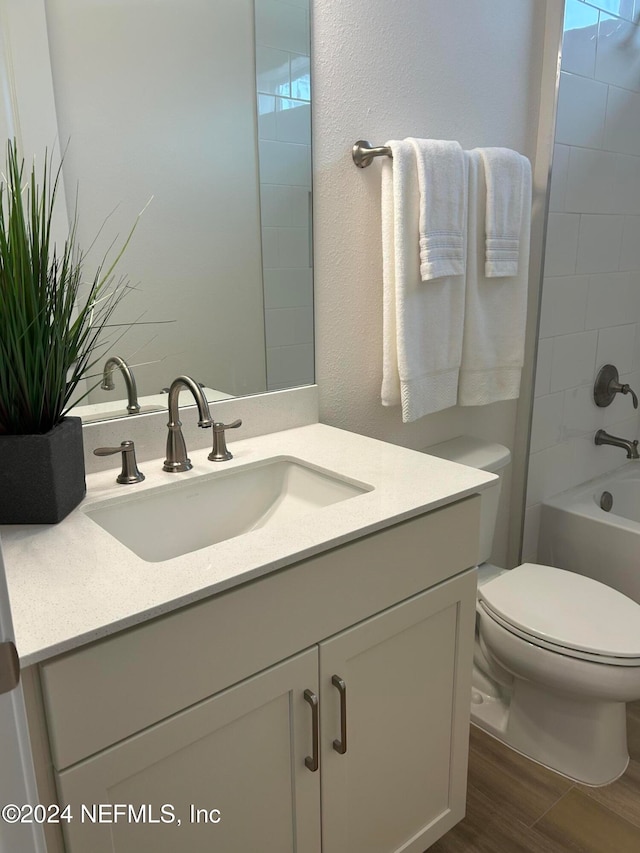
443 214
495 308
422 324
508 180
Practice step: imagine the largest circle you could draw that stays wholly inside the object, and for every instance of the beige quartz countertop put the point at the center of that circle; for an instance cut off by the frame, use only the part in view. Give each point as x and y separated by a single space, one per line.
73 582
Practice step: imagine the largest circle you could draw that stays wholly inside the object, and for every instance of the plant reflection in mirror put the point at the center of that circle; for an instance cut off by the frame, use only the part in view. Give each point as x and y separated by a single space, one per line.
52 323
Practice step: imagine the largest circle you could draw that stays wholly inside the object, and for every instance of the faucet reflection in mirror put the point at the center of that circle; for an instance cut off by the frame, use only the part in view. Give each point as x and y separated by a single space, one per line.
133 407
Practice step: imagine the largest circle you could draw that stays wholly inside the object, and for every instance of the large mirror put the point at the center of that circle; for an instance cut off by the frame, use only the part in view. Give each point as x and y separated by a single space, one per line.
203 108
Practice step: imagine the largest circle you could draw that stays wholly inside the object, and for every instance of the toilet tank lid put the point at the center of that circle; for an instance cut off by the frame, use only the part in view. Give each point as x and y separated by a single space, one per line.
474 452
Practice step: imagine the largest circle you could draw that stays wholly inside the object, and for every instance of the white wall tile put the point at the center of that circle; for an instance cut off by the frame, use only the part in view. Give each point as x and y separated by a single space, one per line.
622 129
267 117
288 288
580 37
618 60
581 415
531 533
284 163
573 360
288 366
284 206
300 77
595 189
559 173
549 470
288 326
590 460
564 305
590 181
546 426
582 106
272 71
599 243
636 354
270 248
610 300
293 121
625 196
543 366
627 427
616 346
282 26
274 207
293 247
630 254
561 248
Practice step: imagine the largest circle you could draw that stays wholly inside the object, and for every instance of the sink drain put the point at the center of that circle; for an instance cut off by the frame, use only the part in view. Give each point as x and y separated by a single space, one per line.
606 501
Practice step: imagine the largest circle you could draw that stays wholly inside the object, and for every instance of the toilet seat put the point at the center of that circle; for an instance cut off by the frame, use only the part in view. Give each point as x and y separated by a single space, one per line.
566 613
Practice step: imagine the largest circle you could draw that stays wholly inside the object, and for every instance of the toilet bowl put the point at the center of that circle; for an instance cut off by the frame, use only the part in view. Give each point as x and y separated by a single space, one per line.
557 654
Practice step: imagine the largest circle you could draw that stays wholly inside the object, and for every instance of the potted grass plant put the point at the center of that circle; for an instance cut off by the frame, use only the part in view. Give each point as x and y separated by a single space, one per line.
52 321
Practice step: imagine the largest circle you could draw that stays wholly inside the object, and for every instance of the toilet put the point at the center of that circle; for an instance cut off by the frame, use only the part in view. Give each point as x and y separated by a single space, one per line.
557 654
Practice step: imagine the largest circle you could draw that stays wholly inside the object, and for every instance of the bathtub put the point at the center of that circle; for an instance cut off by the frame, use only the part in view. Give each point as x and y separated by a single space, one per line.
578 535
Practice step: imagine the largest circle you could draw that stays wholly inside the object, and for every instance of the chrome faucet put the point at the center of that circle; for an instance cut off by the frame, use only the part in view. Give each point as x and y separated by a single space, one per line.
133 407
631 447
177 459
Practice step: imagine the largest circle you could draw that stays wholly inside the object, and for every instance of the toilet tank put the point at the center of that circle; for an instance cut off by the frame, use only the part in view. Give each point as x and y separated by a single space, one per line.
487 456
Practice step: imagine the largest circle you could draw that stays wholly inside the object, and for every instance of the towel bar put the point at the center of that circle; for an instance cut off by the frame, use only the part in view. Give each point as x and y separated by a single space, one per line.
363 153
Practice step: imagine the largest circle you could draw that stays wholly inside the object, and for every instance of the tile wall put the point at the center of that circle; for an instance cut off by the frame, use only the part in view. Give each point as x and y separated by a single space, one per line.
590 311
284 134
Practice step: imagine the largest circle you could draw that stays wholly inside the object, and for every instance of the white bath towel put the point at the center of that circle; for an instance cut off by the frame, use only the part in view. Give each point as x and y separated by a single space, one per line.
508 180
495 308
422 323
443 214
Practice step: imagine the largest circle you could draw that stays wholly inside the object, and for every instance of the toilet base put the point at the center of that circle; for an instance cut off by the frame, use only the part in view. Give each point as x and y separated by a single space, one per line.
584 741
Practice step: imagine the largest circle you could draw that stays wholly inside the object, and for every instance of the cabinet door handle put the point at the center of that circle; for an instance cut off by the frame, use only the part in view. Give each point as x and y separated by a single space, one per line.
311 761
341 745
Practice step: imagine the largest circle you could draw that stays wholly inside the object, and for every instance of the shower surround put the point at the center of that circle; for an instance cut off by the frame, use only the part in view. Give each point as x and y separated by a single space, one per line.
590 309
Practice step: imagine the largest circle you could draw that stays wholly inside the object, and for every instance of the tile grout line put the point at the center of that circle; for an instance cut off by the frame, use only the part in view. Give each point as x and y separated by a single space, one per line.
617 818
553 805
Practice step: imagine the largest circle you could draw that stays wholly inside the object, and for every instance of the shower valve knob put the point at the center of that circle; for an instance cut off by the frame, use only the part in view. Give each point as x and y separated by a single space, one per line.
608 384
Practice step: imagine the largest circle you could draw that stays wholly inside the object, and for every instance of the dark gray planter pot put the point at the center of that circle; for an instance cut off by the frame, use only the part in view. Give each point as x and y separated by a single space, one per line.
42 476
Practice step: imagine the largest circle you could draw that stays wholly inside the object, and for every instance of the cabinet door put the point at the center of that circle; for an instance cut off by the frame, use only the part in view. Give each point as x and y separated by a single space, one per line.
402 781
241 752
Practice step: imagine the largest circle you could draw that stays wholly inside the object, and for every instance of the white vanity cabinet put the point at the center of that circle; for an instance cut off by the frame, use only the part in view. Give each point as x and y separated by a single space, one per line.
213 707
402 781
232 769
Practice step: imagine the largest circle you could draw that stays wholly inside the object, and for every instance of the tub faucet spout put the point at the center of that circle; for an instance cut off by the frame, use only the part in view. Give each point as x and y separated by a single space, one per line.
631 447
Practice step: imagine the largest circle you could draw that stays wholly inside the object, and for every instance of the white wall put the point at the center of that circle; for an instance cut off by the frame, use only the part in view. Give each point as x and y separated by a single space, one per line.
590 310
451 70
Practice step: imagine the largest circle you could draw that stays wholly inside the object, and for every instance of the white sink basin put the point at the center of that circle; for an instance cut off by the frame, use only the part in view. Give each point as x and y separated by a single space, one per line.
178 518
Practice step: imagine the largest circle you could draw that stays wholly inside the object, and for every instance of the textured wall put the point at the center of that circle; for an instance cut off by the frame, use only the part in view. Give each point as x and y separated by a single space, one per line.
451 70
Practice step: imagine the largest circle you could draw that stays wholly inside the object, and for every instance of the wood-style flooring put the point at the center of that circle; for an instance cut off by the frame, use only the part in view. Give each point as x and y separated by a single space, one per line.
516 806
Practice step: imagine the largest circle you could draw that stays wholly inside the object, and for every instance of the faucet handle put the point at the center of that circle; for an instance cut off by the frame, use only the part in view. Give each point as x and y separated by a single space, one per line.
607 385
220 452
625 389
130 472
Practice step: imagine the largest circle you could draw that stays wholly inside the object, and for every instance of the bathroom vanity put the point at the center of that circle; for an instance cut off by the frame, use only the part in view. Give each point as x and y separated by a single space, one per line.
304 686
